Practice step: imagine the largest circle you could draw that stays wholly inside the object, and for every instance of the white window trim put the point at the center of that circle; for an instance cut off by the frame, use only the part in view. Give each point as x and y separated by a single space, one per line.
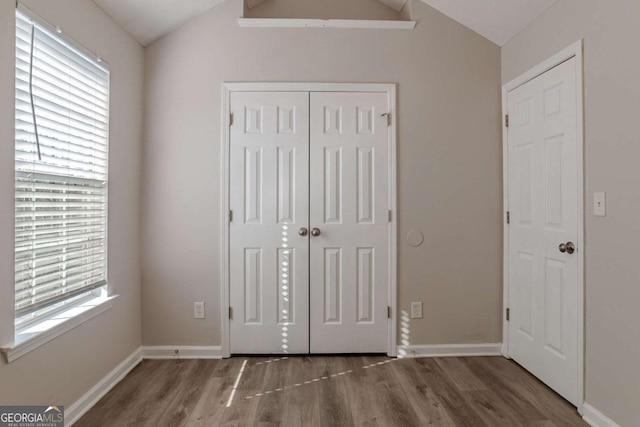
58 323
32 334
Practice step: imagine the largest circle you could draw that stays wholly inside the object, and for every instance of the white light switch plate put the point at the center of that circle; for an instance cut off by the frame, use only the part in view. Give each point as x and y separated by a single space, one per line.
416 310
599 204
198 310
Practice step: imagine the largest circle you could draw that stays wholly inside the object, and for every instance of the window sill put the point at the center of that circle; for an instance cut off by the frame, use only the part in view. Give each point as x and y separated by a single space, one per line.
52 327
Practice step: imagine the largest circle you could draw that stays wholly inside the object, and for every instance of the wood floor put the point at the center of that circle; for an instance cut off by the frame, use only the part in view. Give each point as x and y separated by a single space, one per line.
332 391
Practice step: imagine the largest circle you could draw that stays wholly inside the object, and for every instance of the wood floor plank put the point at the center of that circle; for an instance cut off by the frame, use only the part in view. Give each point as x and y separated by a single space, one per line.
524 410
535 393
430 408
152 409
298 399
239 411
306 405
187 397
493 410
321 391
134 398
333 397
364 411
457 407
460 374
391 396
271 406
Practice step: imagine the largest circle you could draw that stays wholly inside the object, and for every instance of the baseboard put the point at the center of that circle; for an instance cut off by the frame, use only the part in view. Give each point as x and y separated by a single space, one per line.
595 418
97 392
450 350
181 352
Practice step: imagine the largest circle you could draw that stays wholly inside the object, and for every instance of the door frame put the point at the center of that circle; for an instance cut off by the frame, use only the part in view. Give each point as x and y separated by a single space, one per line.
227 89
573 51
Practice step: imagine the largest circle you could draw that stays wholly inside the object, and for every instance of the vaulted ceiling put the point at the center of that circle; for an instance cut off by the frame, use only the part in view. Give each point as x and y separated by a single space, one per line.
497 20
148 20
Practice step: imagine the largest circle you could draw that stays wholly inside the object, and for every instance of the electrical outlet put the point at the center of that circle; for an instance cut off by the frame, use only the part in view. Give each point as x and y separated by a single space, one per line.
198 310
416 310
599 204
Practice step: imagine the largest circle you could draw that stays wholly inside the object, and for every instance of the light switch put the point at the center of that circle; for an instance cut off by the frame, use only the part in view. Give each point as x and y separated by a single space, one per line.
599 204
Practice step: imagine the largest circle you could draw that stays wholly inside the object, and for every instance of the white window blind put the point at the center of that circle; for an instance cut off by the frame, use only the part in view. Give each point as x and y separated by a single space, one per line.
61 147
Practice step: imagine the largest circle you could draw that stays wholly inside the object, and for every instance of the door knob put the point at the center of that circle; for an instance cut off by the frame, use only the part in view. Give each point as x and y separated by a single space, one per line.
303 232
571 248
315 232
568 247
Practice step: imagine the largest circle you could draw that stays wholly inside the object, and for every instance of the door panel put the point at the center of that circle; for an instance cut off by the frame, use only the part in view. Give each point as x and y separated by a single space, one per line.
543 202
269 197
349 187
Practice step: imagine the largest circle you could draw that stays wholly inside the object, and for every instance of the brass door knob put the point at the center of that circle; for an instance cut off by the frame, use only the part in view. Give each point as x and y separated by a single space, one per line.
315 232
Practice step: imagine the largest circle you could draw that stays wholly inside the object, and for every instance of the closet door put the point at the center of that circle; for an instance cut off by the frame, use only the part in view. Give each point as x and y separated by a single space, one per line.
269 199
349 262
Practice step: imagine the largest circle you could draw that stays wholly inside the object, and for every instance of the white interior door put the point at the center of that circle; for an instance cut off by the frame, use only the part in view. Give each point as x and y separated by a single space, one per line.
543 205
349 207
269 199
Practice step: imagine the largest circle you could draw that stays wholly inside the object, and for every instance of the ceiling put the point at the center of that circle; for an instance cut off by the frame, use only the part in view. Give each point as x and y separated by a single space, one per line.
147 20
497 20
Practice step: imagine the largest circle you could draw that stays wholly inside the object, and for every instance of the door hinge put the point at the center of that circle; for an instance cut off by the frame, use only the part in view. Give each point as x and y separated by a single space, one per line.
508 314
508 217
506 120
388 312
389 216
230 313
230 216
230 119
388 116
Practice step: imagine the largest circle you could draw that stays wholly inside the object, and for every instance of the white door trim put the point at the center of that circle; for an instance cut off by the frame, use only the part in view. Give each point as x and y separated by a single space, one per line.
573 51
227 89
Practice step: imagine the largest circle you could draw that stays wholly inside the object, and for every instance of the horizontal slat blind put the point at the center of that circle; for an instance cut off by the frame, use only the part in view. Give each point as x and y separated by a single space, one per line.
61 173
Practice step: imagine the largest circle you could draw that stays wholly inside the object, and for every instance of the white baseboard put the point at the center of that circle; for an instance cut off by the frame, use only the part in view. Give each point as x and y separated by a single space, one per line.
90 398
181 352
450 350
97 392
595 418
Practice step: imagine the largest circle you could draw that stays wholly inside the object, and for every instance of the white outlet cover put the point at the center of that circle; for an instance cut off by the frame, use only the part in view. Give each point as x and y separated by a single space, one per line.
416 310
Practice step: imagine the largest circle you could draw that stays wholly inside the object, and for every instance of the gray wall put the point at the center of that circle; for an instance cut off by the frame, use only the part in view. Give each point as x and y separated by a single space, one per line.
611 31
64 369
449 165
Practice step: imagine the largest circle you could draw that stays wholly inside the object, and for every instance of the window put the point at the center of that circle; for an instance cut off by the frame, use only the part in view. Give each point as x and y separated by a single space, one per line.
61 164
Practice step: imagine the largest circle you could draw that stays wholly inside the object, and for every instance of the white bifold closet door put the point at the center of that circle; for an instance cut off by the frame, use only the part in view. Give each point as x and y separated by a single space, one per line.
349 201
309 266
269 198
